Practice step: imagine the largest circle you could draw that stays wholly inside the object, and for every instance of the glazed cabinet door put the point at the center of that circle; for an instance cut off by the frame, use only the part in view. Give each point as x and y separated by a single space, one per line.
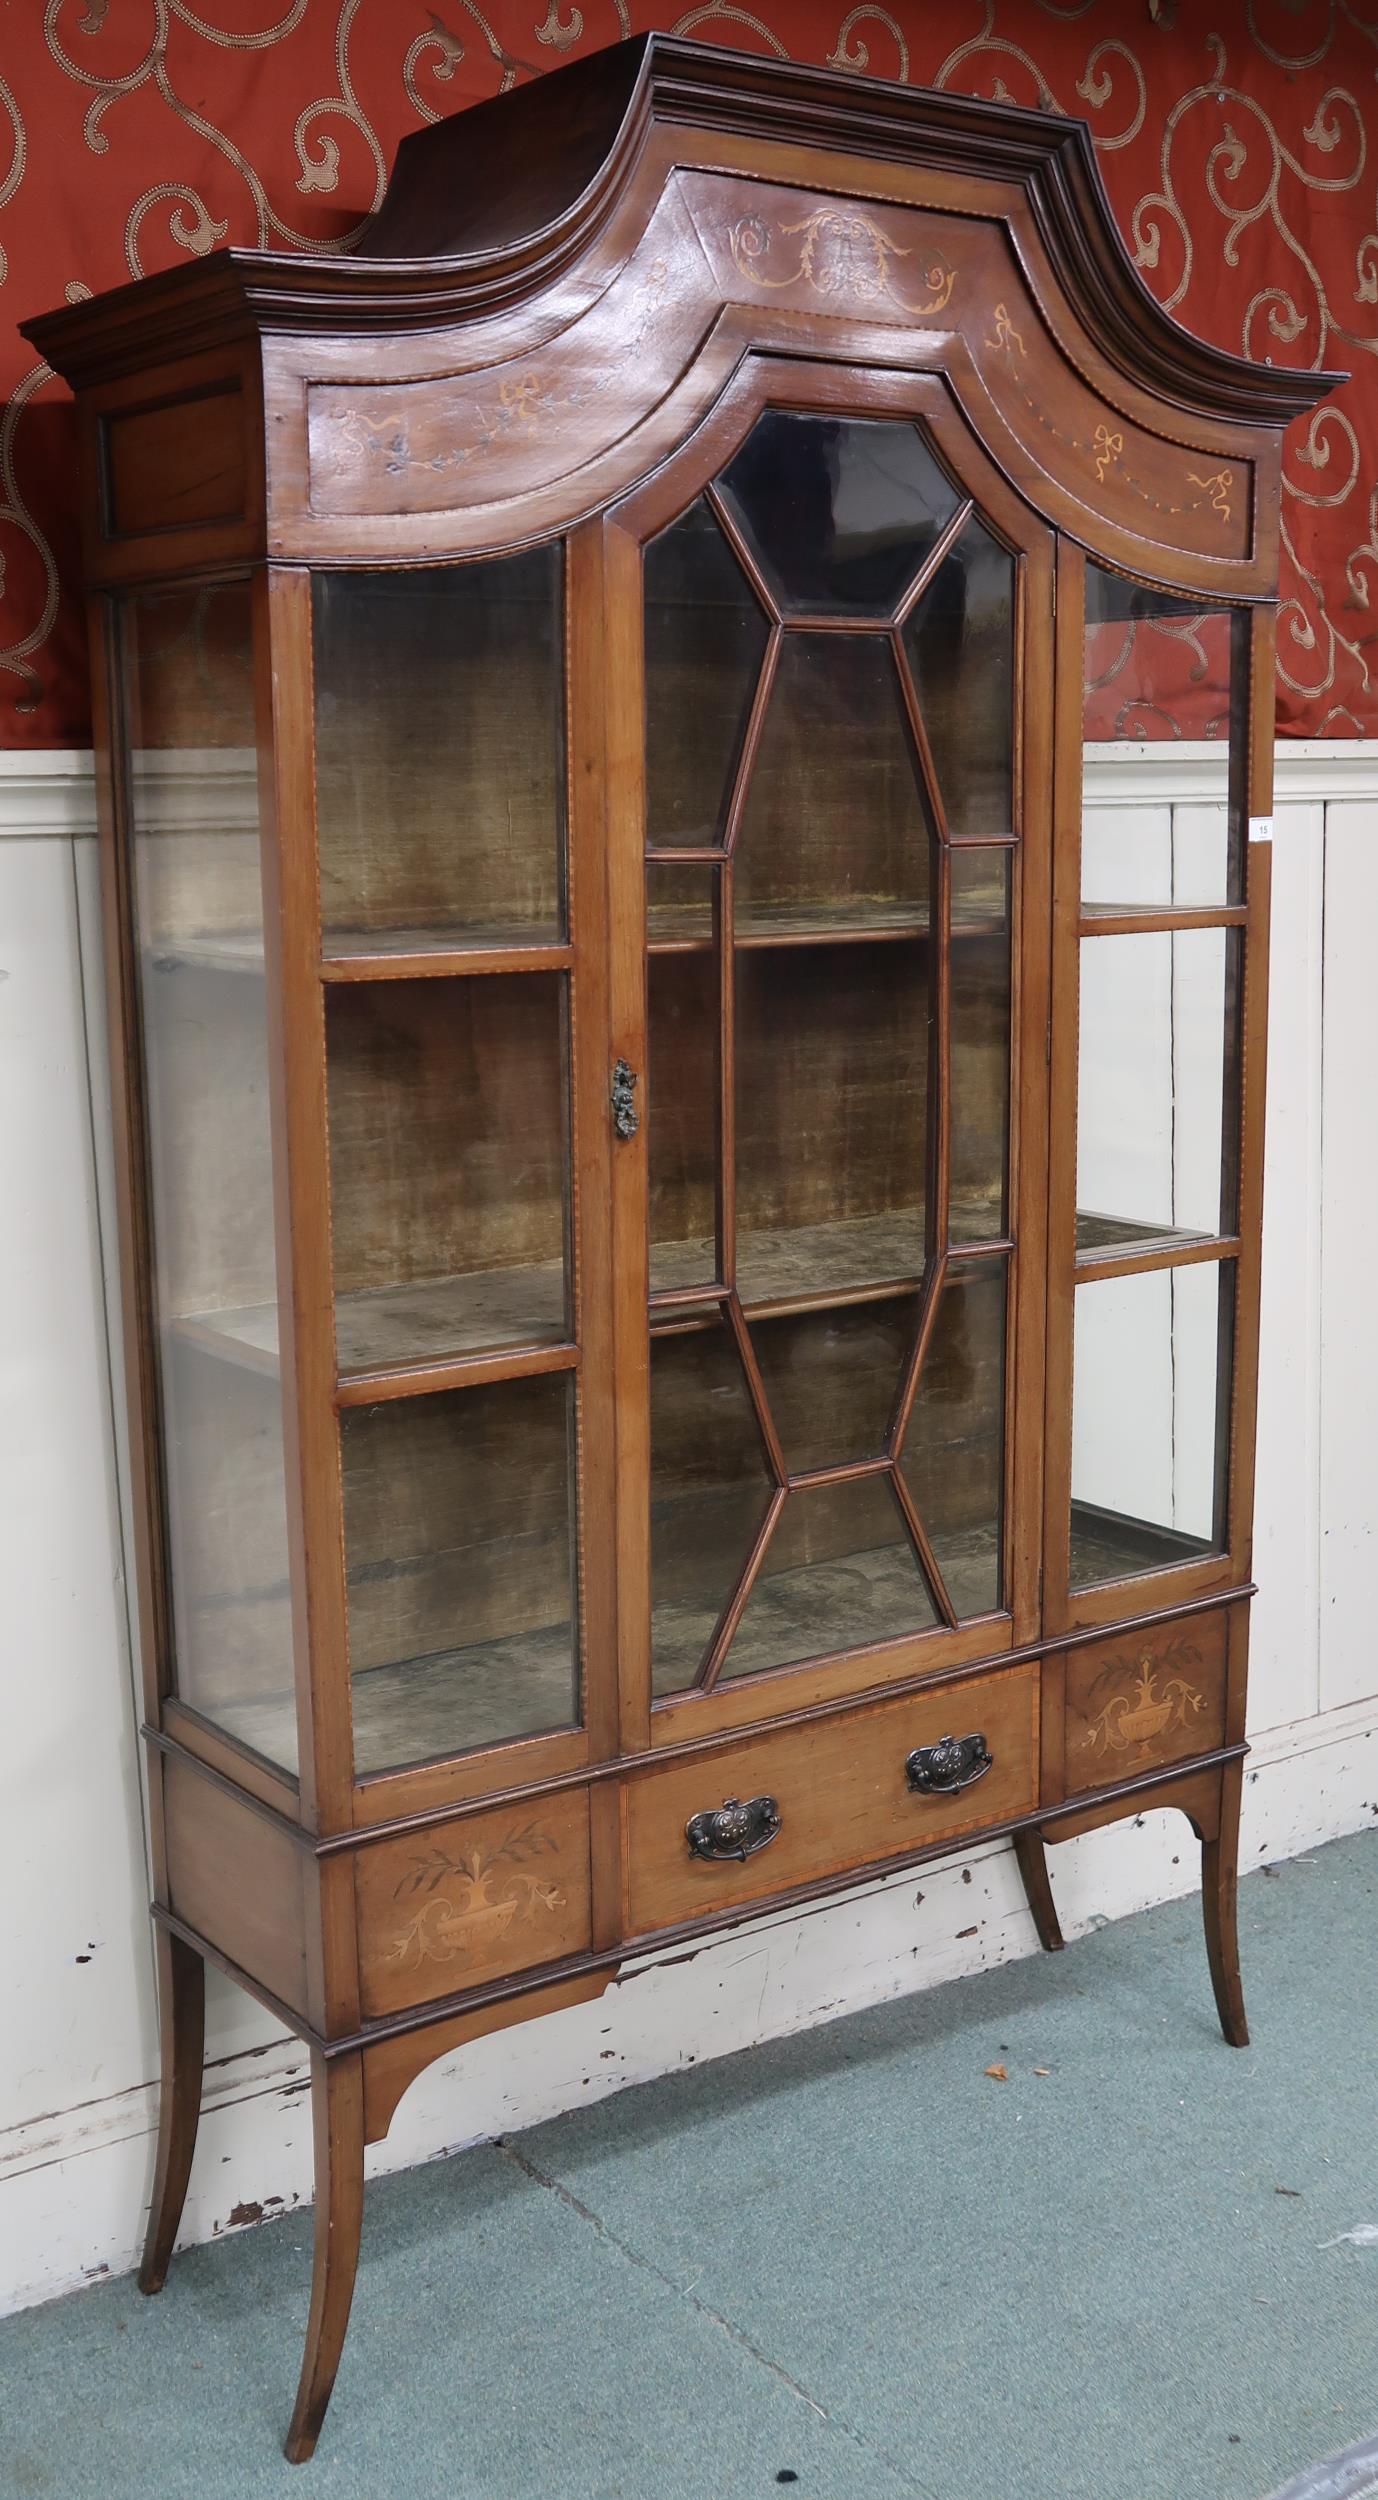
452 959
1162 929
831 879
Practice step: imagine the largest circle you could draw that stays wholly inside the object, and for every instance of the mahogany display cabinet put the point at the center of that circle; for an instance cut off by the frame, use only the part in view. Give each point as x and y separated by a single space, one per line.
689 1216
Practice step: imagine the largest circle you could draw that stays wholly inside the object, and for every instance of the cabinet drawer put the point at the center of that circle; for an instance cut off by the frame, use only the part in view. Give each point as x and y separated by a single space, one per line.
1146 1697
842 1793
445 1909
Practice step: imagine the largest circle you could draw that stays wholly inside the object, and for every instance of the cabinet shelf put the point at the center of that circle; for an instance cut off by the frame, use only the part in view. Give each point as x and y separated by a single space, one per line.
821 1608
378 954
209 953
864 1258
497 1692
1100 1236
449 1702
687 928
1111 1545
399 1328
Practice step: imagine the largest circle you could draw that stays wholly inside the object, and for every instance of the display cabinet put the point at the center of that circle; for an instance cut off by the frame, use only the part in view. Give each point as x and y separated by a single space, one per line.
689 1216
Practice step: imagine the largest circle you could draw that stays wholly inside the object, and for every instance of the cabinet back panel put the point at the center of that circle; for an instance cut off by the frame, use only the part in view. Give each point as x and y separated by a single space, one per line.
456 1516
448 1126
832 1073
834 814
439 747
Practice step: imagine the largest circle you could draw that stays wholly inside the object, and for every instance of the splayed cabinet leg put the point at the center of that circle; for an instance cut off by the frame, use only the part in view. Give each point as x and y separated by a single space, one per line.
337 2110
1219 1893
182 2028
1033 1867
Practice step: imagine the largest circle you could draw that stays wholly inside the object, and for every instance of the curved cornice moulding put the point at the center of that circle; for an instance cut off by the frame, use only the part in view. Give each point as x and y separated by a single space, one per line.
510 210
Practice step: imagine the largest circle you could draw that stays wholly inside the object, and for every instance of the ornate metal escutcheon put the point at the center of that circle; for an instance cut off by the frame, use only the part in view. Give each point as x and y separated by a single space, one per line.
626 1119
954 1762
733 1830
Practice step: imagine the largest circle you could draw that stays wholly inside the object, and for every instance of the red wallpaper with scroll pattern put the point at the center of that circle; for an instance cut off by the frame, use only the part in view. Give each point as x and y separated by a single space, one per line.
1242 162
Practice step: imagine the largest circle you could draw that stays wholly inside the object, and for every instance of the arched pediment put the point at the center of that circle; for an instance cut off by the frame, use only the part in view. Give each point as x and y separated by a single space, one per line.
561 281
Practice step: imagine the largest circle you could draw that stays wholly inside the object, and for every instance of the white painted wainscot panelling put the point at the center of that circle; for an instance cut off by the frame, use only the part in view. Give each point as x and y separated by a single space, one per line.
78 2042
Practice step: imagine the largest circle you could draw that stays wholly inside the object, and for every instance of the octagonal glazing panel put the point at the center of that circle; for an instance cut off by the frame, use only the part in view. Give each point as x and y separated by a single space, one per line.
706 637
954 1450
839 1573
836 831
838 511
959 642
710 1489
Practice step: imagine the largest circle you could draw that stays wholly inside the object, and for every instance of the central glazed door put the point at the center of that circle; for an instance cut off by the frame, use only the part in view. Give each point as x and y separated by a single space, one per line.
831 1152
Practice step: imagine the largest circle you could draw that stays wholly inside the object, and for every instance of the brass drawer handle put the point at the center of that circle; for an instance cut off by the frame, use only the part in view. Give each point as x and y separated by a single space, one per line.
733 1830
626 1119
954 1762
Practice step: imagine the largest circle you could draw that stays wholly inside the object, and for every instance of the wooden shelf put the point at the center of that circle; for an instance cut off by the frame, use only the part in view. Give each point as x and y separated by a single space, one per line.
380 954
517 1310
400 1327
397 954
1110 1545
419 1709
208 954
840 1604
687 928
1100 1236
860 1259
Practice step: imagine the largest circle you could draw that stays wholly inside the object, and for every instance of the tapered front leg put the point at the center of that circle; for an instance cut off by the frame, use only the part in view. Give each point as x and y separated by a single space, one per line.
1033 1866
1220 1899
182 2031
337 2111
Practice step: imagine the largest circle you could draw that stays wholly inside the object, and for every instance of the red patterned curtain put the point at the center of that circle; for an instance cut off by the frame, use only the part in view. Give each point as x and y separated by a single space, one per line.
1239 146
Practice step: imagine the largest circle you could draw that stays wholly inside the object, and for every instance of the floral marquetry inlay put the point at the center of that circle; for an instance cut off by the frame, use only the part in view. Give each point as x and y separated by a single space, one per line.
1136 1702
1157 1704
452 440
470 1899
442 1912
1107 453
841 253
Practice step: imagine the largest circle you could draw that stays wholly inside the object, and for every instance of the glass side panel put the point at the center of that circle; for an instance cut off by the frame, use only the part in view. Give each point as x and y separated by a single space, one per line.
682 1085
706 637
447 1158
710 1490
439 754
1157 668
954 1449
188 686
836 831
459 1549
980 1051
1158 1090
839 1573
832 1119
840 511
959 642
831 1379
1151 1420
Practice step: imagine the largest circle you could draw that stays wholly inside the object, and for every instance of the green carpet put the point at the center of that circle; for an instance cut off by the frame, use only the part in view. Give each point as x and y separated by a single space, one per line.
849 2264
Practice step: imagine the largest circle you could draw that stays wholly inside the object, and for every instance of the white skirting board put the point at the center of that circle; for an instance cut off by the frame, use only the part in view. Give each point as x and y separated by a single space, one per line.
78 2058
